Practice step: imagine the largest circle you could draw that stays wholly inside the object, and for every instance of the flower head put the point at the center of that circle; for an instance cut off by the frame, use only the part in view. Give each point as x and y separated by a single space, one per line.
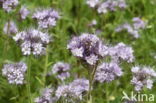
32 41
46 18
107 72
142 77
9 5
121 51
138 23
85 47
134 28
10 28
61 69
24 12
14 72
46 96
92 3
74 90
111 5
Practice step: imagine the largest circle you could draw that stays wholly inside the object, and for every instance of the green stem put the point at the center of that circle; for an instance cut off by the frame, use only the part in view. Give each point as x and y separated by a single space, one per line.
6 41
28 78
107 94
91 79
45 67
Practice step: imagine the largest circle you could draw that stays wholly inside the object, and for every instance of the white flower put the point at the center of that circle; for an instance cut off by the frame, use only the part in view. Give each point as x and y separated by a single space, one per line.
92 3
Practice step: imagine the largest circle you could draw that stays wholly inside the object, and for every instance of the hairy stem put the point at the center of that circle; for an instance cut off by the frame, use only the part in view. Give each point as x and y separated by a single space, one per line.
6 41
45 67
28 78
91 79
107 94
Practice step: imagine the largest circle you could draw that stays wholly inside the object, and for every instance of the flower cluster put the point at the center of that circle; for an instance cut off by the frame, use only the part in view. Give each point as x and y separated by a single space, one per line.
74 90
46 18
15 72
61 69
46 96
93 3
134 28
9 5
121 51
106 72
142 77
85 47
10 28
108 5
24 12
89 47
32 41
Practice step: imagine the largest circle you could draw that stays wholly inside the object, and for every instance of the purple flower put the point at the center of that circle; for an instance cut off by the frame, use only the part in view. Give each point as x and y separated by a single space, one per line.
129 29
92 3
107 72
24 12
111 5
85 47
46 18
121 51
74 90
10 28
46 96
134 28
142 77
61 69
79 86
122 4
9 5
32 41
138 23
14 72
103 8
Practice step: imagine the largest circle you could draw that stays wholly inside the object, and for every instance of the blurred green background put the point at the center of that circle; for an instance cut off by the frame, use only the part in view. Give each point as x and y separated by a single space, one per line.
75 17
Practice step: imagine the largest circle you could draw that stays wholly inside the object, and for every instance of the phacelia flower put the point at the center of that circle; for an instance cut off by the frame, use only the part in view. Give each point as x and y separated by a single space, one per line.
10 28
74 90
79 86
92 3
107 72
134 28
46 96
9 5
61 70
111 5
15 72
93 23
138 23
142 77
32 41
46 18
130 30
121 52
24 12
85 47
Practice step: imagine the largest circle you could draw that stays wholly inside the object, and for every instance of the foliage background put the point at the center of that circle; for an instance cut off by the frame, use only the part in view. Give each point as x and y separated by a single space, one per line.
76 16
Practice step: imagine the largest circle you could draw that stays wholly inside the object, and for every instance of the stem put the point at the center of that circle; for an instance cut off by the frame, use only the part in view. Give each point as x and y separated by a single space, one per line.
107 94
45 67
92 74
28 79
7 39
